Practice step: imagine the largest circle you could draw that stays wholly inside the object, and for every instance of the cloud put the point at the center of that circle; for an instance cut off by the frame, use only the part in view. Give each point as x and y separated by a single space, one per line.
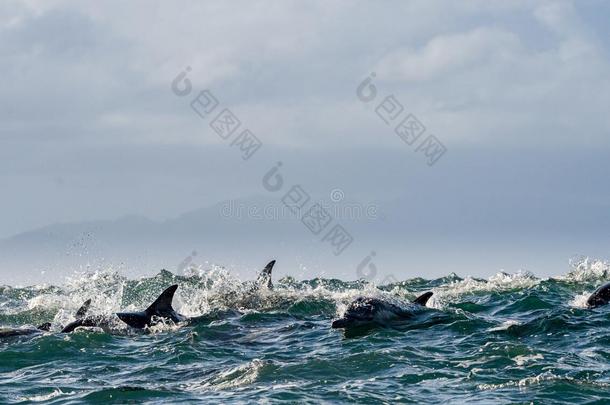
444 54
560 17
501 85
89 84
290 69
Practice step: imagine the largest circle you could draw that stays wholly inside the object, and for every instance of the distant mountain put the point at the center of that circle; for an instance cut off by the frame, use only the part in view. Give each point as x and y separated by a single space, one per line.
244 234
237 233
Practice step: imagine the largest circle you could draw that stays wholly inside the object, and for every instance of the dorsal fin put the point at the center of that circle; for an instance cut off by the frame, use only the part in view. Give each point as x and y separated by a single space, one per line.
164 302
82 311
423 299
264 277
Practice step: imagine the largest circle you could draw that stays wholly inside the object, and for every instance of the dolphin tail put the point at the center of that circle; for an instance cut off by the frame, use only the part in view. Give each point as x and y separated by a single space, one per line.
423 299
164 302
82 311
264 277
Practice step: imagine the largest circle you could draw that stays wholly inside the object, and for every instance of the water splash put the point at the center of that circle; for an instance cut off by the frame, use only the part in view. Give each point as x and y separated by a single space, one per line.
508 336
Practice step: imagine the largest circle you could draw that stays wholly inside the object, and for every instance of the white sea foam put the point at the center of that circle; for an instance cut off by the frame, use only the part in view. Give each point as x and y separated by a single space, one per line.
522 360
233 377
215 288
547 376
504 325
587 269
202 292
46 397
499 282
580 300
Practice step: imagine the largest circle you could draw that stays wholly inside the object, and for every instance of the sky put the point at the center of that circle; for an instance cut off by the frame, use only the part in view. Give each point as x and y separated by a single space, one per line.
517 92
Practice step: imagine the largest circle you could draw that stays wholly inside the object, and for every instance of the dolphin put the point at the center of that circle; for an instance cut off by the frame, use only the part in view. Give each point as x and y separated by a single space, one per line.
264 277
83 320
160 310
369 310
45 327
10 332
155 313
600 297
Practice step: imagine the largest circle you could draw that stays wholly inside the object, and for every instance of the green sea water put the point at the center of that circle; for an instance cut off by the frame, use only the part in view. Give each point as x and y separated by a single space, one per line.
512 338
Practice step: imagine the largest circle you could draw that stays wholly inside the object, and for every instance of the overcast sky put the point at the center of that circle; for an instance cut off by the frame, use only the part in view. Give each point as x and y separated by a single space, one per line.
517 91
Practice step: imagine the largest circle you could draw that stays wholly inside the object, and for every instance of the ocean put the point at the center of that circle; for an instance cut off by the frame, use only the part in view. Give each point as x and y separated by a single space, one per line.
511 338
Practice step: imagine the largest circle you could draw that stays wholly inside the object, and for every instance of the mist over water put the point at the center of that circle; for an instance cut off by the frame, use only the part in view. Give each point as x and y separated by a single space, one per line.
509 338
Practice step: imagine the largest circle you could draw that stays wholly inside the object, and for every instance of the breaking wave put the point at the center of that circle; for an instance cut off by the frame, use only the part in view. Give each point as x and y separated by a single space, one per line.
507 338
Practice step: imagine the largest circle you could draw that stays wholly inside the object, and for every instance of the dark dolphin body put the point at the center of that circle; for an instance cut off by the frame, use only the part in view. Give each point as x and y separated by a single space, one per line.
10 332
368 310
159 311
600 297
45 327
264 278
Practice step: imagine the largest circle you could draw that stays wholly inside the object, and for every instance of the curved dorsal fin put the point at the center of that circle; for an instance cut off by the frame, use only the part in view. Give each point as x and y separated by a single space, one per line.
264 277
82 311
164 302
423 299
